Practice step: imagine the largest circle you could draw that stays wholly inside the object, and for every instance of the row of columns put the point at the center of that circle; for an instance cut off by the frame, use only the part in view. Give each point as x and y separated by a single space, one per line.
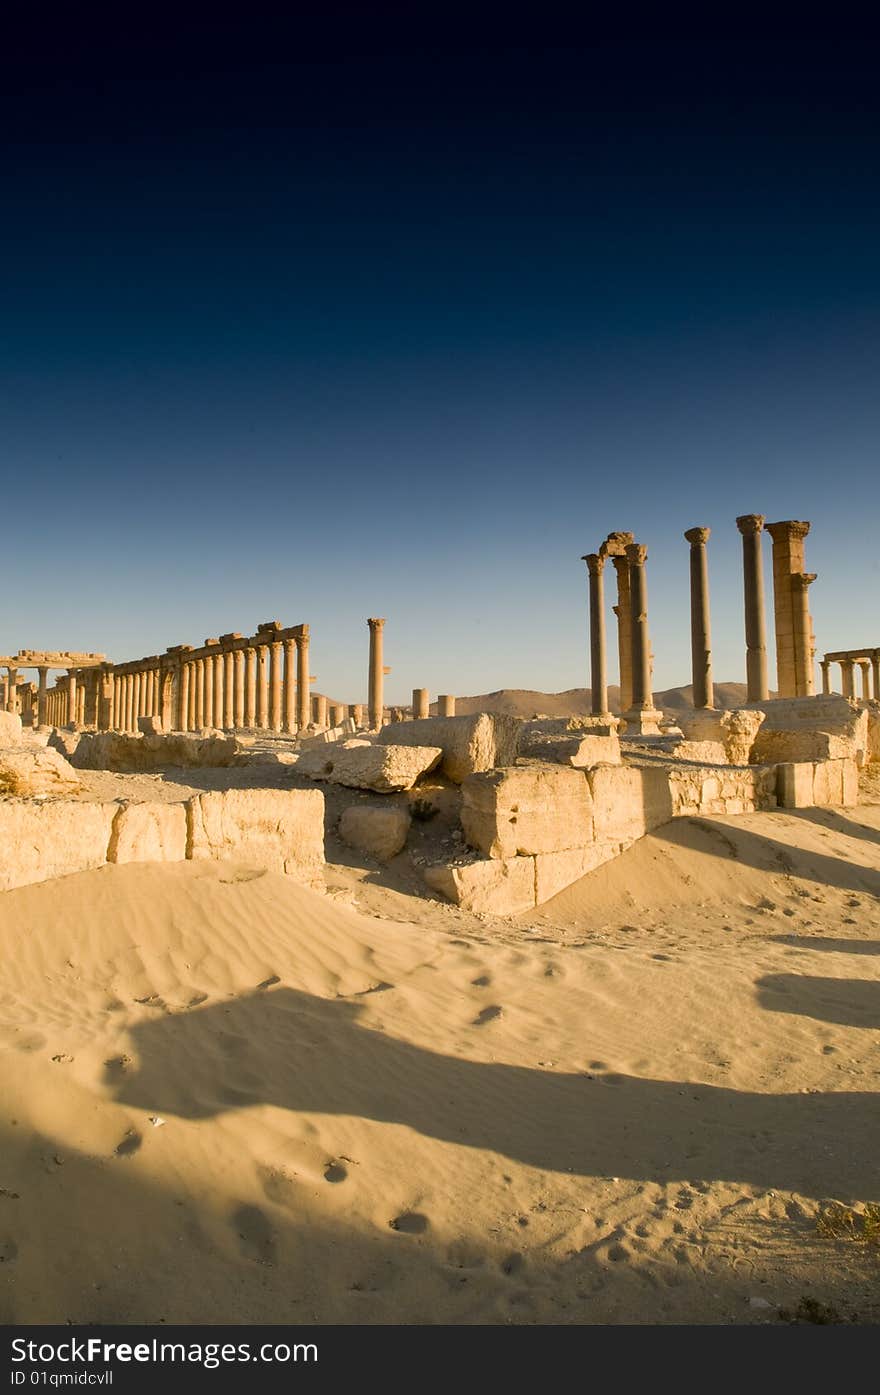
869 670
795 644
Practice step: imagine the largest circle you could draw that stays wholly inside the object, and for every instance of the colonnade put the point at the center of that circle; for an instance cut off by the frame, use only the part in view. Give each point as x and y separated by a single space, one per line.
866 661
634 644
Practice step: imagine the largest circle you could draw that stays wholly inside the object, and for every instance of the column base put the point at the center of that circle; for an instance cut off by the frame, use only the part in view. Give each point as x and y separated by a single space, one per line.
642 721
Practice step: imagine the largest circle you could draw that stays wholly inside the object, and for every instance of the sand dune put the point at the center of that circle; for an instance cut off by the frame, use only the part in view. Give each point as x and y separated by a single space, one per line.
575 702
229 1098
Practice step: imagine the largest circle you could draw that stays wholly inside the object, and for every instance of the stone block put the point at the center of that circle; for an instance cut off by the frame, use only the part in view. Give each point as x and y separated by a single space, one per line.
494 887
701 752
370 766
10 730
628 801
580 750
36 770
483 741
41 840
150 726
526 809
113 750
554 871
850 782
148 832
279 830
380 833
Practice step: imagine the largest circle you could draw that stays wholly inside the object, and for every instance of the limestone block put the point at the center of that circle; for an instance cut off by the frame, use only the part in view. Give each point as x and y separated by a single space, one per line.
10 730
379 832
148 832
701 752
850 783
828 782
526 809
279 830
113 750
628 801
572 748
65 741
554 871
41 840
36 770
483 741
370 766
150 726
496 886
804 744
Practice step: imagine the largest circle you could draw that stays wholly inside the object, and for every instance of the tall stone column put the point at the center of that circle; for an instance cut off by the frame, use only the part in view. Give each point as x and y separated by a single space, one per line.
191 721
262 688
641 716
445 705
420 703
865 670
238 688
598 670
250 688
217 664
71 696
804 649
794 643
875 674
319 710
377 674
751 526
208 710
288 703
199 694
275 653
302 680
149 692
826 676
42 696
228 689
183 697
615 546
847 678
701 638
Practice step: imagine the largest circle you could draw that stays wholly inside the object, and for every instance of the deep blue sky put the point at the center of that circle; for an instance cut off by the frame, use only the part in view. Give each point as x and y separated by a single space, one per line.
328 323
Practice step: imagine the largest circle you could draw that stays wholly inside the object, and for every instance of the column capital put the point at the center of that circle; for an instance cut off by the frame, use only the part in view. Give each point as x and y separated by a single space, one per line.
376 624
750 523
301 641
788 528
801 580
697 537
619 562
614 544
636 554
595 563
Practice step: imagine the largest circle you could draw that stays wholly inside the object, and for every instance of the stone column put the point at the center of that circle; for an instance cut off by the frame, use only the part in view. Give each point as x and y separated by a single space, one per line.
217 665
250 688
875 674
288 703
641 716
208 691
377 674
337 714
623 611
228 689
445 705
420 703
149 696
42 711
71 696
319 710
826 676
238 688
794 659
805 682
356 713
847 678
302 680
262 688
81 701
183 697
865 669
275 652
751 526
198 688
192 724
598 671
701 638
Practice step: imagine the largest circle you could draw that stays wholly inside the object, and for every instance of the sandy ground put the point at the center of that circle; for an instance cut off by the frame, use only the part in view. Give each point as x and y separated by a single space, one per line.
226 1098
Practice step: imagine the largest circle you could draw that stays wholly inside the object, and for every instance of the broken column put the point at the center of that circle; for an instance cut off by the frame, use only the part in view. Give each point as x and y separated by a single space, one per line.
641 717
337 714
794 633
445 705
598 672
319 710
751 526
377 673
420 703
701 641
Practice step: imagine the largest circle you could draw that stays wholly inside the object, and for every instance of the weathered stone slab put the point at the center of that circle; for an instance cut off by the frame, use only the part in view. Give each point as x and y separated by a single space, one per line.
41 840
148 832
36 770
10 730
735 729
113 750
494 887
701 752
483 741
580 750
794 784
628 801
380 833
369 765
808 784
526 809
279 830
150 726
724 790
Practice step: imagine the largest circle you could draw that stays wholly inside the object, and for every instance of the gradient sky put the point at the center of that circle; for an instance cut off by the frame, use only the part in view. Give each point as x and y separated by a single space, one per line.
318 323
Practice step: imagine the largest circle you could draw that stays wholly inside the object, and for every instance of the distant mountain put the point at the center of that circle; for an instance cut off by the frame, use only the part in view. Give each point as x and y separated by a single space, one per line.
575 702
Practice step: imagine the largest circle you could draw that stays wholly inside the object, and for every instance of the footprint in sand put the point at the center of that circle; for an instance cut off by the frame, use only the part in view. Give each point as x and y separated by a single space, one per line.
335 1172
512 1263
256 1238
129 1145
482 981
115 1069
410 1223
487 1015
268 982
